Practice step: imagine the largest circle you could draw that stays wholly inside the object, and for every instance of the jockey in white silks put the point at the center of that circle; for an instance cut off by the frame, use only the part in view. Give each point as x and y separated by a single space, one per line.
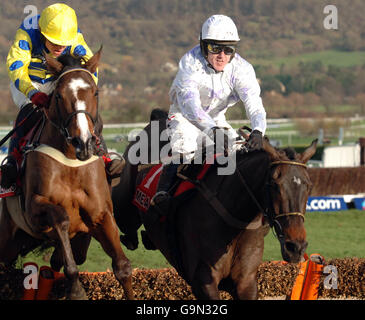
211 78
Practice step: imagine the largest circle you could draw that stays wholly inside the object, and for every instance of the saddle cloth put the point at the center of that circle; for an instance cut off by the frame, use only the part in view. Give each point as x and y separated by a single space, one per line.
18 154
6 192
19 157
148 187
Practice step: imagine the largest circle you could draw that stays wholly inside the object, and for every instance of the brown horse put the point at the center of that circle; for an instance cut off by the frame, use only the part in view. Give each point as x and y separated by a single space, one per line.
67 198
215 236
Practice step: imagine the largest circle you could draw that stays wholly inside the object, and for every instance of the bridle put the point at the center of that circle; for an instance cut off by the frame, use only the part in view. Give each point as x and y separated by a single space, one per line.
269 212
294 163
64 124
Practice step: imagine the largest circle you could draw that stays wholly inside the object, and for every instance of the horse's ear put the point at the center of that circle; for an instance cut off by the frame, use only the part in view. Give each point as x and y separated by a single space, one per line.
273 154
309 152
93 62
53 65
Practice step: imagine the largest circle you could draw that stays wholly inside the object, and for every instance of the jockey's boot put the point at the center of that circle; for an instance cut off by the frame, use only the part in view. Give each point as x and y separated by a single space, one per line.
161 199
9 170
113 167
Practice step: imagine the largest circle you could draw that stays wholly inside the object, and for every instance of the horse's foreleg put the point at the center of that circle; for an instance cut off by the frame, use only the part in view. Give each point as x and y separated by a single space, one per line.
246 287
56 217
205 285
108 235
71 271
244 271
79 244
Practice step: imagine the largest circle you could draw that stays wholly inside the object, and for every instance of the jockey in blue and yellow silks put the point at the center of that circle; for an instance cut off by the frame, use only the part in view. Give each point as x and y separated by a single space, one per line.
55 32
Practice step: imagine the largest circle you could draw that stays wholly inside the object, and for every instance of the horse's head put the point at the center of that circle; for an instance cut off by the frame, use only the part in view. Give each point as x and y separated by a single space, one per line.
289 188
74 104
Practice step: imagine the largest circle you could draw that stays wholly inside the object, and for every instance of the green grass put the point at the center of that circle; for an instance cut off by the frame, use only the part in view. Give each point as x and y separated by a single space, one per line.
331 234
327 57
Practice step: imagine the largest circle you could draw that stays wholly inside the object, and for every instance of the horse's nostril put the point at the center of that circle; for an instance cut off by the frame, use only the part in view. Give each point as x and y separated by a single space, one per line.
296 247
291 247
76 142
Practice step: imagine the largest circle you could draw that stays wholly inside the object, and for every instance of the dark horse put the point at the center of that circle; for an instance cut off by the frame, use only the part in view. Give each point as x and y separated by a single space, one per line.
67 198
215 237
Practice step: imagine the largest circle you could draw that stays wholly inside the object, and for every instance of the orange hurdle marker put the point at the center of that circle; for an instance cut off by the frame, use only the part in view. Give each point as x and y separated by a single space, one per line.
308 279
47 277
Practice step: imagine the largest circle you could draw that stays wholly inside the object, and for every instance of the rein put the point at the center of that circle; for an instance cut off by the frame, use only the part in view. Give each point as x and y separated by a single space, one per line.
268 213
64 125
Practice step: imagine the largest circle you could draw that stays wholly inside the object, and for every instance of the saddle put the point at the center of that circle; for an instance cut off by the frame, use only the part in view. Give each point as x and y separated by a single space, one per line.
148 187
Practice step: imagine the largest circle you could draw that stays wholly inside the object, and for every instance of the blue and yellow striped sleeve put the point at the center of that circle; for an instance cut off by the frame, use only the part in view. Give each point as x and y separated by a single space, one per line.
17 63
81 49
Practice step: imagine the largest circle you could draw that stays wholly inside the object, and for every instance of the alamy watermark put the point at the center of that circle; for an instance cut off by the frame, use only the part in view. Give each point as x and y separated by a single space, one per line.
31 20
330 22
330 281
147 150
31 280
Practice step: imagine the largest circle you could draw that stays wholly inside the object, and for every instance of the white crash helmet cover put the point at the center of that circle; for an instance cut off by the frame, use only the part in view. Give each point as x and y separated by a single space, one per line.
219 27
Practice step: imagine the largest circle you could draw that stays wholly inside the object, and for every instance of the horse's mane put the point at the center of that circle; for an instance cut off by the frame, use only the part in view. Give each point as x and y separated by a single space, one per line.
247 160
288 152
244 158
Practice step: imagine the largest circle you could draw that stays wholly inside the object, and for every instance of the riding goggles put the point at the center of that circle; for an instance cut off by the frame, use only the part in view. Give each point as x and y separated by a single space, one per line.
218 48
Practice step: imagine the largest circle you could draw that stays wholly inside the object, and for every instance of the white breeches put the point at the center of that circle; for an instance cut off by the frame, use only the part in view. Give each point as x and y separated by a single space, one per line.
186 138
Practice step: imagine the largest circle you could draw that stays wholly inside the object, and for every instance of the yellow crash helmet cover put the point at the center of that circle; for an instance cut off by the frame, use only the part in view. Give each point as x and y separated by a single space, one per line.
58 23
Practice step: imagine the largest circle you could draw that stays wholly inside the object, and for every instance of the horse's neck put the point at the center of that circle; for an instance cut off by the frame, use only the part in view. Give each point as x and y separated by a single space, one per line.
234 188
52 137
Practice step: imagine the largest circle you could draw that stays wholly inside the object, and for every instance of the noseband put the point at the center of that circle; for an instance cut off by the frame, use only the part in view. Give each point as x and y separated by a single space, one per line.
64 125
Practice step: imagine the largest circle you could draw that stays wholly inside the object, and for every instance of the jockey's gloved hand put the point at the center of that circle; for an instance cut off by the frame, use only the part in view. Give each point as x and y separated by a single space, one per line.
254 142
40 99
115 167
221 140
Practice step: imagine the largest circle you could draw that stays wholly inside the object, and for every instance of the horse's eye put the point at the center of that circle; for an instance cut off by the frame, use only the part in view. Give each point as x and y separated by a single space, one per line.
96 93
